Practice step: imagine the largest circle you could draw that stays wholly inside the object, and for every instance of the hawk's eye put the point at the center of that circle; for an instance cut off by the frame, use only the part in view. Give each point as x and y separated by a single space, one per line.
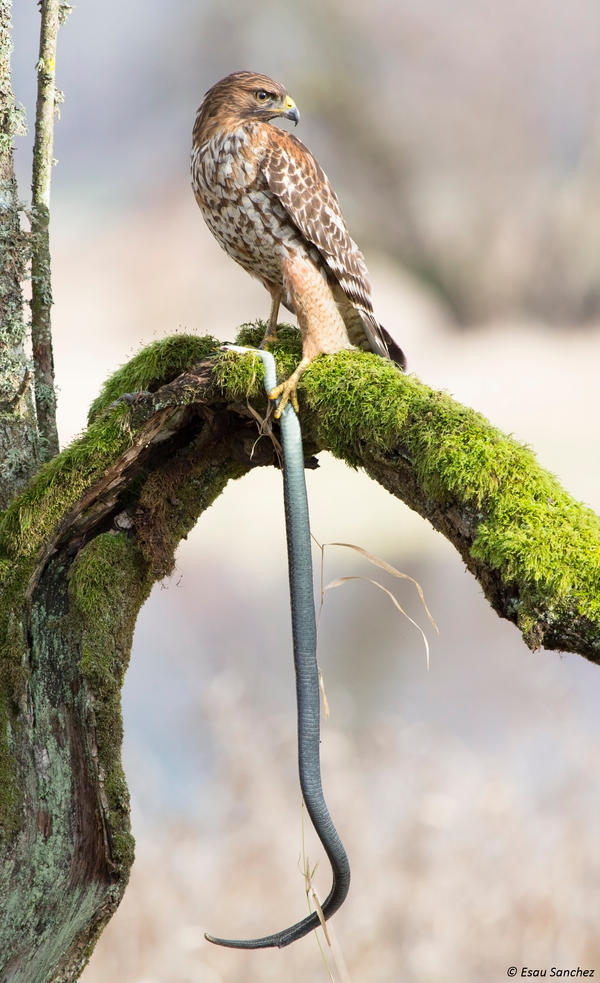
261 95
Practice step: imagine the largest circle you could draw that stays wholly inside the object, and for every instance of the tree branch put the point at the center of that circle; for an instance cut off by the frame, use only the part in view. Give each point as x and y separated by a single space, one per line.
81 547
41 285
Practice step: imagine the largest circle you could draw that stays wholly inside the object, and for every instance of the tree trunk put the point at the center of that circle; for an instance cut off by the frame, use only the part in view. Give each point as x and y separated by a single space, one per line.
81 547
19 446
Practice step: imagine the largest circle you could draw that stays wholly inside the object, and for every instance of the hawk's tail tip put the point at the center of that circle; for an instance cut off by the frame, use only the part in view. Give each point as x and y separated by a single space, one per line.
395 352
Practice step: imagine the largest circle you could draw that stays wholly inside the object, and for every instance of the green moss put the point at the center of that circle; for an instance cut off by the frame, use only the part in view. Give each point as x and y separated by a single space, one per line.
531 530
241 378
252 333
170 501
153 367
359 401
10 795
30 518
25 527
108 583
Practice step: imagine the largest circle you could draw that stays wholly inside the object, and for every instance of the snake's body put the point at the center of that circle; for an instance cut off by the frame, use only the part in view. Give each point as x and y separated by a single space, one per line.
304 631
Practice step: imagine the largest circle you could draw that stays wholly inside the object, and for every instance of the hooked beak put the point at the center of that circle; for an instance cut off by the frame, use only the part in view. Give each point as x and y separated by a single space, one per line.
290 110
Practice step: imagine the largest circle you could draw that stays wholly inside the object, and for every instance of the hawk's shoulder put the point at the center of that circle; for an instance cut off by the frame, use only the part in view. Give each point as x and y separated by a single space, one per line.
287 156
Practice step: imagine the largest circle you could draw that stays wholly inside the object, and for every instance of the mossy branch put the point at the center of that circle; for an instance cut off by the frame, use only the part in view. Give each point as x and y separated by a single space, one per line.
533 548
80 548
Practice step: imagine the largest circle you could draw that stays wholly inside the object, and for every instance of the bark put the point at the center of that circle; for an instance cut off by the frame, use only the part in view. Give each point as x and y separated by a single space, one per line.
19 447
81 547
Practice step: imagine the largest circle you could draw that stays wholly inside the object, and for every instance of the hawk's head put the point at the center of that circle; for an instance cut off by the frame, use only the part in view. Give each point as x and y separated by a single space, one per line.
244 96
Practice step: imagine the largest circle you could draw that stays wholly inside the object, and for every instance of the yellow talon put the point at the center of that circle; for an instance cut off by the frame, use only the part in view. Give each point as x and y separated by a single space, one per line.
287 389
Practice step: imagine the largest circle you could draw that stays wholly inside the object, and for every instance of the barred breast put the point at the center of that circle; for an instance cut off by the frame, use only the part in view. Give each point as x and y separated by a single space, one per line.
246 218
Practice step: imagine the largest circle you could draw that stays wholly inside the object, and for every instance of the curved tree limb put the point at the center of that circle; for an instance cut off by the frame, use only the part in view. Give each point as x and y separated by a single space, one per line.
81 547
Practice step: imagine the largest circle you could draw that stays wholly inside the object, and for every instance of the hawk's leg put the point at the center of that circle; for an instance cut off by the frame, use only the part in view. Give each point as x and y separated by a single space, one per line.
287 389
271 332
321 325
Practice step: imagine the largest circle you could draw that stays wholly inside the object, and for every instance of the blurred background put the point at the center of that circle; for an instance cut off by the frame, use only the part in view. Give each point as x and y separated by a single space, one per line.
464 143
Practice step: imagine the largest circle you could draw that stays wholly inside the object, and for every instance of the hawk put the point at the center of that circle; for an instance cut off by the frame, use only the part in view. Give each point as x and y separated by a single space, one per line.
271 207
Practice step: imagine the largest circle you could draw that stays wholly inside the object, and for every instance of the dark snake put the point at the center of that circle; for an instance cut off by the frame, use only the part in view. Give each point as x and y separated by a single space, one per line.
304 631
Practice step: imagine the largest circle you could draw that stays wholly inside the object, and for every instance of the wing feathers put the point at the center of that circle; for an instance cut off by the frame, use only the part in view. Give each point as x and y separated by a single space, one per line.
300 183
303 188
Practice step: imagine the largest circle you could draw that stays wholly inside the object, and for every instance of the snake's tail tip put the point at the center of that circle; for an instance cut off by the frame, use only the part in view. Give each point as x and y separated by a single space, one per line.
230 943
277 941
239 943
214 939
